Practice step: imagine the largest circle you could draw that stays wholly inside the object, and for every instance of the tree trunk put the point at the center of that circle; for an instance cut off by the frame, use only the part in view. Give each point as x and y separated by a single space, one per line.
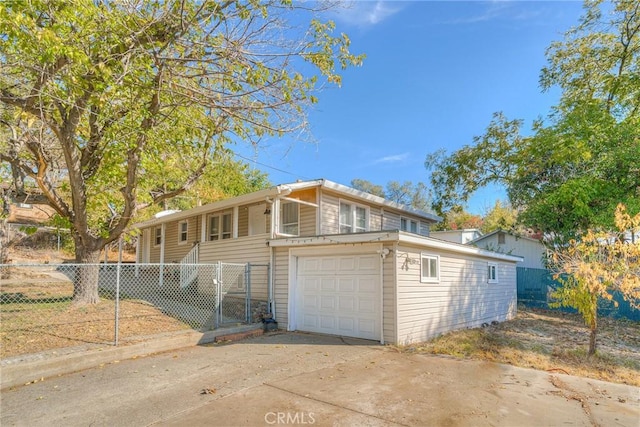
592 336
85 285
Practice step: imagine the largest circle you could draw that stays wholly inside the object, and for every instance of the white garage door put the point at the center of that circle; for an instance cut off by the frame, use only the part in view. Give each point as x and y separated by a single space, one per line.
339 295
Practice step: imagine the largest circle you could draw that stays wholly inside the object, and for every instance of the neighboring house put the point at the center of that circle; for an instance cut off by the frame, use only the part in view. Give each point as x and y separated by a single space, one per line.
463 236
531 250
343 261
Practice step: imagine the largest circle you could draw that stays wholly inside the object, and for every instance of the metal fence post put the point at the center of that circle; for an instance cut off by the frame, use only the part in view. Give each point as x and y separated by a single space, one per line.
247 280
117 297
218 282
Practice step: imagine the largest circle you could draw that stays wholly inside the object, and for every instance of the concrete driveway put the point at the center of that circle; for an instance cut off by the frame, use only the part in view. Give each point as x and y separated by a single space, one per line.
305 379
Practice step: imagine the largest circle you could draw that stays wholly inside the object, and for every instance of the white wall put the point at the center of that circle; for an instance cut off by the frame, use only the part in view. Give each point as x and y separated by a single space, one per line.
462 298
531 250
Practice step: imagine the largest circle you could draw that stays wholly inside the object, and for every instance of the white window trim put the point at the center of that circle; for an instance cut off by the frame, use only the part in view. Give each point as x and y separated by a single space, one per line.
428 256
281 219
353 216
180 241
221 232
490 266
155 236
409 221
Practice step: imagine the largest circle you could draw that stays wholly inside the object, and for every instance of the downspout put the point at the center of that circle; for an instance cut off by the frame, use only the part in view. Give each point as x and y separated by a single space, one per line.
382 257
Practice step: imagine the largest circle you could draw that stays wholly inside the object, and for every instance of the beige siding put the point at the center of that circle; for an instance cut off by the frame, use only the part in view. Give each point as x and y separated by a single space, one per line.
330 205
307 220
389 307
242 250
174 251
462 298
391 220
281 285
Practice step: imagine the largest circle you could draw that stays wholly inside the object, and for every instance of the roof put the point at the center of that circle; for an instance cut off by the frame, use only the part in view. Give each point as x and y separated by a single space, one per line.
283 190
391 236
486 236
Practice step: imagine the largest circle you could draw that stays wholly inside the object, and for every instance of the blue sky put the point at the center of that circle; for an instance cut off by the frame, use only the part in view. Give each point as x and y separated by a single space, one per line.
435 73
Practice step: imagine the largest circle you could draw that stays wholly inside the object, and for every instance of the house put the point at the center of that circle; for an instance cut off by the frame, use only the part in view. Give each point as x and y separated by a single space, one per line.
457 236
531 250
343 261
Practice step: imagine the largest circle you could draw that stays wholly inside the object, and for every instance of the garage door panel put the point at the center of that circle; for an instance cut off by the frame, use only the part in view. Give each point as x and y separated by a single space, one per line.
347 284
346 324
347 303
367 305
339 294
367 327
346 263
328 284
368 263
368 285
310 302
328 302
328 322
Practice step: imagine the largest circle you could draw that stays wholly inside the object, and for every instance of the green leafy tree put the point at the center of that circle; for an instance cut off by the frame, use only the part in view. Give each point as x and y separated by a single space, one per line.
596 265
501 217
580 162
407 193
122 98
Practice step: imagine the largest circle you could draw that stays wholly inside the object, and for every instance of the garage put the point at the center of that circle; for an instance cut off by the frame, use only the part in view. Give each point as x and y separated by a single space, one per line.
339 294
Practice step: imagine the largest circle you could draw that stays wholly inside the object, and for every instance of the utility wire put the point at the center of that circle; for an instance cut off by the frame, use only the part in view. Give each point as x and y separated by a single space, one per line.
272 167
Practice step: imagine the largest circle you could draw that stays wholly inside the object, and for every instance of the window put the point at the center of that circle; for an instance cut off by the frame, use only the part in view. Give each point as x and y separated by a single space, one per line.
220 226
501 238
492 272
157 232
289 218
409 225
183 231
429 268
353 218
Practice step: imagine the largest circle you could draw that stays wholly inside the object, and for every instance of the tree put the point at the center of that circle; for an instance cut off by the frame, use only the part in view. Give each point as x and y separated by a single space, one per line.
368 187
123 92
458 219
501 217
580 162
595 266
416 196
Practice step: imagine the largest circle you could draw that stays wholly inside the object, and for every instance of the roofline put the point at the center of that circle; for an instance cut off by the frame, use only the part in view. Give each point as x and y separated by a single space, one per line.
471 242
279 190
379 200
390 236
218 205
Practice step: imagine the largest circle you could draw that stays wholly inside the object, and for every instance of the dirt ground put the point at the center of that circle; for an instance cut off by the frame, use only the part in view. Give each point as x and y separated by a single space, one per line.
551 341
37 315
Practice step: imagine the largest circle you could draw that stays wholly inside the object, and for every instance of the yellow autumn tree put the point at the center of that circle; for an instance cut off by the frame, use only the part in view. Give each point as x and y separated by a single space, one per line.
597 265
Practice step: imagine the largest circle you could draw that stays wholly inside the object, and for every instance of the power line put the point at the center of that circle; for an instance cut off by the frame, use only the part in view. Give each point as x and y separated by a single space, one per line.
272 167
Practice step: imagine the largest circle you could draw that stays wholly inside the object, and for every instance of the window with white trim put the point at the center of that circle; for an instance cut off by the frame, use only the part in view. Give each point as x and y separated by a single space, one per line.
157 236
429 268
353 218
492 272
290 218
410 225
183 232
220 226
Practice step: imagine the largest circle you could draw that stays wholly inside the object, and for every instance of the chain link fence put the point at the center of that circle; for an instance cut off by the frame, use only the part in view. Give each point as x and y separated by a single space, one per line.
41 305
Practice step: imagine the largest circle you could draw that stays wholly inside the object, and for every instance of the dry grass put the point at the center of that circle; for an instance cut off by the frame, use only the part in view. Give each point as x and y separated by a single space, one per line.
550 341
37 314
